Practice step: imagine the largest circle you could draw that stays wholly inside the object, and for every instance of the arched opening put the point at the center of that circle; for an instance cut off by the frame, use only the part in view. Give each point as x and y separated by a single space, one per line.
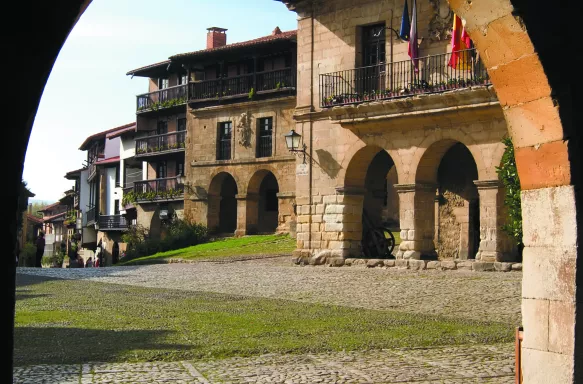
457 224
222 210
262 203
448 209
379 202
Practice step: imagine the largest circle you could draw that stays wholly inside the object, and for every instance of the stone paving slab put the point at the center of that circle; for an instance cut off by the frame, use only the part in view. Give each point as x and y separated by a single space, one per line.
459 364
459 294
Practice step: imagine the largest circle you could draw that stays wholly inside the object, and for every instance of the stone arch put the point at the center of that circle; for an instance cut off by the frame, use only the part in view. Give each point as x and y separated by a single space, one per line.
222 204
262 203
421 167
364 151
548 165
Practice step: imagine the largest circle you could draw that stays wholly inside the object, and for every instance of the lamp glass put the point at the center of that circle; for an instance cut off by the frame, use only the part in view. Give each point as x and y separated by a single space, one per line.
292 140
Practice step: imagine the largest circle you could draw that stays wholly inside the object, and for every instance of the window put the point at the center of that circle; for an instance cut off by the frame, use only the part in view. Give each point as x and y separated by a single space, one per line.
265 133
117 176
162 83
373 58
180 168
161 171
116 207
181 124
183 79
224 140
162 127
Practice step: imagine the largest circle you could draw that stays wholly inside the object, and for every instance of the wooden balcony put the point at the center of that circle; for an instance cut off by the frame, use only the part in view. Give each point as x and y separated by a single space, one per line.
112 223
248 86
161 144
156 190
162 99
399 79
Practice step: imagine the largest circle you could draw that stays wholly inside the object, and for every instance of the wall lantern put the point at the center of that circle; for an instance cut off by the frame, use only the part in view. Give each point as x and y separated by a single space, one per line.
292 142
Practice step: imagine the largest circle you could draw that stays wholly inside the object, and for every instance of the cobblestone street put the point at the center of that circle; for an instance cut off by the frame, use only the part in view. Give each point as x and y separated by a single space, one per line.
491 296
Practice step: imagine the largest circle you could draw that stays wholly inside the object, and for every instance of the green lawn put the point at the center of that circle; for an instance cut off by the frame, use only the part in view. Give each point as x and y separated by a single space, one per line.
225 248
75 321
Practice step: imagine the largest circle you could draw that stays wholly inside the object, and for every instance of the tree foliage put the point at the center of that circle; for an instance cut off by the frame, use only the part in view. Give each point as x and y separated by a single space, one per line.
508 174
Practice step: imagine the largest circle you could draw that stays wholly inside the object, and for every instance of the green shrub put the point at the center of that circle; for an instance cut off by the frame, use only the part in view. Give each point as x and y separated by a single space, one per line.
179 234
508 174
27 255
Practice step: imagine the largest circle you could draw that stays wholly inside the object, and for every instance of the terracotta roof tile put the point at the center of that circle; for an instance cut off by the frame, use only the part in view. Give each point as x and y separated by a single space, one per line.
34 219
102 135
131 128
160 64
288 35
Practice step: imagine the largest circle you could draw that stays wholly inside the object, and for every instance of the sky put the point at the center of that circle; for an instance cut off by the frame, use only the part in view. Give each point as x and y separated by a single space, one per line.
88 92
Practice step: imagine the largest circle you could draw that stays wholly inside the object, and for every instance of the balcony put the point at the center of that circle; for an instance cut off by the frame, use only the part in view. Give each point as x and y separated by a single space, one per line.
246 86
399 79
155 190
162 99
112 223
161 144
91 215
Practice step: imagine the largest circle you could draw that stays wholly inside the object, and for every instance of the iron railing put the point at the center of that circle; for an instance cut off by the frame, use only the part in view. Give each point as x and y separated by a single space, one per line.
159 189
238 86
91 215
162 98
174 141
112 222
224 149
264 146
399 79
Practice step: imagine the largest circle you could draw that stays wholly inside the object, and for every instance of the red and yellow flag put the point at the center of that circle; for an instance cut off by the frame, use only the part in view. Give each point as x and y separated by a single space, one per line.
460 41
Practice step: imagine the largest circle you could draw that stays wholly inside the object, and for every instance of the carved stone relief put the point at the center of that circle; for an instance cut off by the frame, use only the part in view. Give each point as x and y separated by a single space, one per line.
441 24
244 130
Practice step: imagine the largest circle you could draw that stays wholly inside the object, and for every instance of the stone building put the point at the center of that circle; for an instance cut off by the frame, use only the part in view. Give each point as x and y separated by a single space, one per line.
415 149
234 102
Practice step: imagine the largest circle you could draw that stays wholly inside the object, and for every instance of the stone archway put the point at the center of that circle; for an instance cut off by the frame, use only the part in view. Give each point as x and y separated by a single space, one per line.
222 204
262 204
524 68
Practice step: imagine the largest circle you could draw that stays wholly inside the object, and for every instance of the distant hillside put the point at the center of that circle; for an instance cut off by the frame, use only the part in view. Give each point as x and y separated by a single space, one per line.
41 202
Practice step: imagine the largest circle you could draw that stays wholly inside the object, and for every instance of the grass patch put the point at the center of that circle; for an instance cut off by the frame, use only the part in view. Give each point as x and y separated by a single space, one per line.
73 321
224 248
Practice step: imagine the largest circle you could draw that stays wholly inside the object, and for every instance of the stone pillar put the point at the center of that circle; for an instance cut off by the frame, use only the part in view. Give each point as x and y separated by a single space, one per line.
417 217
286 220
495 245
242 213
213 211
249 220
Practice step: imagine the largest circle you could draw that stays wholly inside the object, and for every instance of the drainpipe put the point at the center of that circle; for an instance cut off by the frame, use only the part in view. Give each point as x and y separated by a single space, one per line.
312 108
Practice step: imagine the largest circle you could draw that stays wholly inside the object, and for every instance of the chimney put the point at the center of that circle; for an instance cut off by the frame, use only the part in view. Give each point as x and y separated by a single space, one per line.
216 37
276 31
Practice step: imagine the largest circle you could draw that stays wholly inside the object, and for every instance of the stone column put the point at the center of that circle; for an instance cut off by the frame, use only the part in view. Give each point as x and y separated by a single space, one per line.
242 213
248 221
286 220
417 217
495 245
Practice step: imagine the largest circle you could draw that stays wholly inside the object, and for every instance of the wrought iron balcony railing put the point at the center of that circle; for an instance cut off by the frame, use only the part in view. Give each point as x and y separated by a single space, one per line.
162 98
91 215
399 79
168 142
243 86
158 189
112 222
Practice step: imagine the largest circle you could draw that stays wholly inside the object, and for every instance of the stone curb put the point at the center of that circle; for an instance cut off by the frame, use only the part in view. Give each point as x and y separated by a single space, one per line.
412 264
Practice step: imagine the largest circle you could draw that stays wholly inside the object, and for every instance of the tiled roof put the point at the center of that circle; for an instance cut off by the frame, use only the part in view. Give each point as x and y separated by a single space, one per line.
131 128
34 219
53 217
108 161
288 35
151 66
72 174
49 207
102 135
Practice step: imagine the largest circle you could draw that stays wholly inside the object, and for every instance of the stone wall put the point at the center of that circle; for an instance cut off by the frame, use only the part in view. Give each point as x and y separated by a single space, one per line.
148 215
205 173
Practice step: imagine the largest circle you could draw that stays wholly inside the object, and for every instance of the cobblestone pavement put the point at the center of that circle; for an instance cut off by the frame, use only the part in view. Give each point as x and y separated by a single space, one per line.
455 365
490 296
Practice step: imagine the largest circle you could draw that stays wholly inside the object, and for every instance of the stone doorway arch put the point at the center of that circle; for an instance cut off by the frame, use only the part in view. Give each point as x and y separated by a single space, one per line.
222 204
262 203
